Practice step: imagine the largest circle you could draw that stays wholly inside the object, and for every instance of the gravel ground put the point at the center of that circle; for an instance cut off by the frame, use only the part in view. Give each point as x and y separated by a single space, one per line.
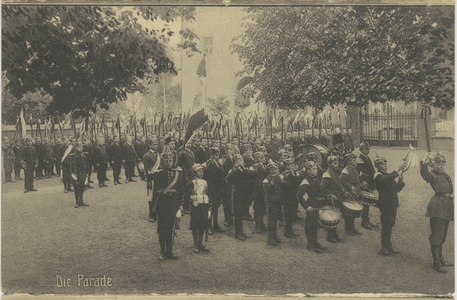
44 236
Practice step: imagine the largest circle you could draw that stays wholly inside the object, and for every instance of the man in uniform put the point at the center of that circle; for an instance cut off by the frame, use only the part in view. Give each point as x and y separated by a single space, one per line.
48 157
29 161
40 153
169 188
151 161
258 192
8 159
388 201
65 164
58 155
273 189
141 149
227 191
366 172
17 163
130 157
79 169
115 157
101 160
215 177
339 150
200 151
291 183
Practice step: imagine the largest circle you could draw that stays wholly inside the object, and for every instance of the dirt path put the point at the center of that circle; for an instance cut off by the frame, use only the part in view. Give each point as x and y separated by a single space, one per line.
44 236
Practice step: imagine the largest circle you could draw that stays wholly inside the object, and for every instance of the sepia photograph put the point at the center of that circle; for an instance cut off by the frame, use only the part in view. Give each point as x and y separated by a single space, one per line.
235 150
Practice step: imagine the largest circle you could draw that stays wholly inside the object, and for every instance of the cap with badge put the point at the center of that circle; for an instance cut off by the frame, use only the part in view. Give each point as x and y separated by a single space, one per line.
364 145
379 160
197 167
438 158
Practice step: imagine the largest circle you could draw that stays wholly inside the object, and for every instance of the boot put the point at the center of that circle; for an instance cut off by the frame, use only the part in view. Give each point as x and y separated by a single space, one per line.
444 263
200 242
437 266
385 251
216 227
151 214
392 250
313 248
81 201
271 238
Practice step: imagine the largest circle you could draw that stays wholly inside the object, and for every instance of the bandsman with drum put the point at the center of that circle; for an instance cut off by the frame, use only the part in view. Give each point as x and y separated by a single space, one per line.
311 186
366 172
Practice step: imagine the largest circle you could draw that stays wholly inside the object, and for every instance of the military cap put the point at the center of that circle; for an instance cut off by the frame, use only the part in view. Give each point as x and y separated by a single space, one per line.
167 154
350 156
169 139
438 159
379 160
364 145
331 159
197 167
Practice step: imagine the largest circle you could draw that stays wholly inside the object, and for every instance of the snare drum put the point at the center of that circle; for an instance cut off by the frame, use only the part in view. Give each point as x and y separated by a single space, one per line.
329 217
352 208
368 198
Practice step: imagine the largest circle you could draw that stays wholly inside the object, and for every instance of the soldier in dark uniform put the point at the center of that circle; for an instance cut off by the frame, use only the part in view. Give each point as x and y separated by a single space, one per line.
101 161
151 161
8 159
239 176
200 152
170 142
130 157
65 164
141 149
440 210
388 201
87 148
169 188
334 191
339 150
17 163
258 192
311 186
29 161
215 177
291 183
48 157
186 160
227 164
273 185
79 168
40 153
115 158
247 155
366 170
350 179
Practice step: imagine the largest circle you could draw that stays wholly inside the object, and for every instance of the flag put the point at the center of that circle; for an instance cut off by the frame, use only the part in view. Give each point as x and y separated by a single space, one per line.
195 122
201 71
22 124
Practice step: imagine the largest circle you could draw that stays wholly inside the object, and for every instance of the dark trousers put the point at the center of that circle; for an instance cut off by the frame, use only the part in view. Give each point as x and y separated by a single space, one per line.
388 216
239 205
39 169
79 191
58 164
260 206
141 173
365 213
227 202
17 170
28 178
117 169
439 228
101 172
216 200
311 226
290 211
274 215
129 169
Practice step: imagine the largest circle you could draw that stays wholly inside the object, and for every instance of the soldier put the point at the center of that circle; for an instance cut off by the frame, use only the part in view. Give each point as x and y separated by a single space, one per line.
17 163
151 161
366 170
8 159
40 153
258 192
130 158
215 175
58 155
335 192
29 161
227 164
87 148
169 188
239 176
141 149
311 186
79 169
291 183
186 160
65 164
350 179
273 185
339 150
200 151
247 155
440 209
48 157
171 143
101 161
388 201
196 192
115 158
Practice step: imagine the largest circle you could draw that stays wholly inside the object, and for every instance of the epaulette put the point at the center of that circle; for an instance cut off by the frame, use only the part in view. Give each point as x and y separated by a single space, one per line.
304 182
376 174
359 160
204 164
265 181
345 171
326 175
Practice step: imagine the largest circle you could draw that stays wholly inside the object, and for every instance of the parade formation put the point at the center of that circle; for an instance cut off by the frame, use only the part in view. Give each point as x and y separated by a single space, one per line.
198 176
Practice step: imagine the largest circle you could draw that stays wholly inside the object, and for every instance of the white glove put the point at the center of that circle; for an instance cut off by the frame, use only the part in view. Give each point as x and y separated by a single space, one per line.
209 214
178 214
86 182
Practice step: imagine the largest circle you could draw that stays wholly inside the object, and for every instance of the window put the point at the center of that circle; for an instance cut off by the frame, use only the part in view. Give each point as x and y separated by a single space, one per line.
208 45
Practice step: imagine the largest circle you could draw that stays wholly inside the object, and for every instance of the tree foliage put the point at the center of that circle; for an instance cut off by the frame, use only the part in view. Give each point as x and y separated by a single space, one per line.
86 57
321 56
219 105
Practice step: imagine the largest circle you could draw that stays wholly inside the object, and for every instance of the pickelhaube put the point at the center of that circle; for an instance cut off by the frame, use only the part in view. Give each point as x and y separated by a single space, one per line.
379 160
197 167
438 158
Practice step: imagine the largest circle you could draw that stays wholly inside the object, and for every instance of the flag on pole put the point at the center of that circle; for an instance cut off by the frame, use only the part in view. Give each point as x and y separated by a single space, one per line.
195 122
201 71
23 129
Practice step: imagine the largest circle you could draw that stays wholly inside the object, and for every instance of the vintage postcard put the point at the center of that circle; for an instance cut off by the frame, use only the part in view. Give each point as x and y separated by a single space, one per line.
227 149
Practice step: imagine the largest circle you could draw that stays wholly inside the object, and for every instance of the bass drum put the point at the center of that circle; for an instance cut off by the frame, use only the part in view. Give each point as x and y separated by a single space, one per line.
322 154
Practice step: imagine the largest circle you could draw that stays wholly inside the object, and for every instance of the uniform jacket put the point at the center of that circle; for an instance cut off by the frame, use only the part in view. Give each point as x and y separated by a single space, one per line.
331 184
311 186
366 170
440 206
79 164
388 189
350 178
186 160
201 155
274 187
241 180
29 156
115 153
128 152
214 175
100 155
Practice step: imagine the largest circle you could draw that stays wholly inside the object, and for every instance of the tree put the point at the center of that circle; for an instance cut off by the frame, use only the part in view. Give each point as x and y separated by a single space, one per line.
86 57
219 105
319 56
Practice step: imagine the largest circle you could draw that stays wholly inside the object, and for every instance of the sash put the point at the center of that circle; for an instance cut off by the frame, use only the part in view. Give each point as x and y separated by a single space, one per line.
156 166
172 184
